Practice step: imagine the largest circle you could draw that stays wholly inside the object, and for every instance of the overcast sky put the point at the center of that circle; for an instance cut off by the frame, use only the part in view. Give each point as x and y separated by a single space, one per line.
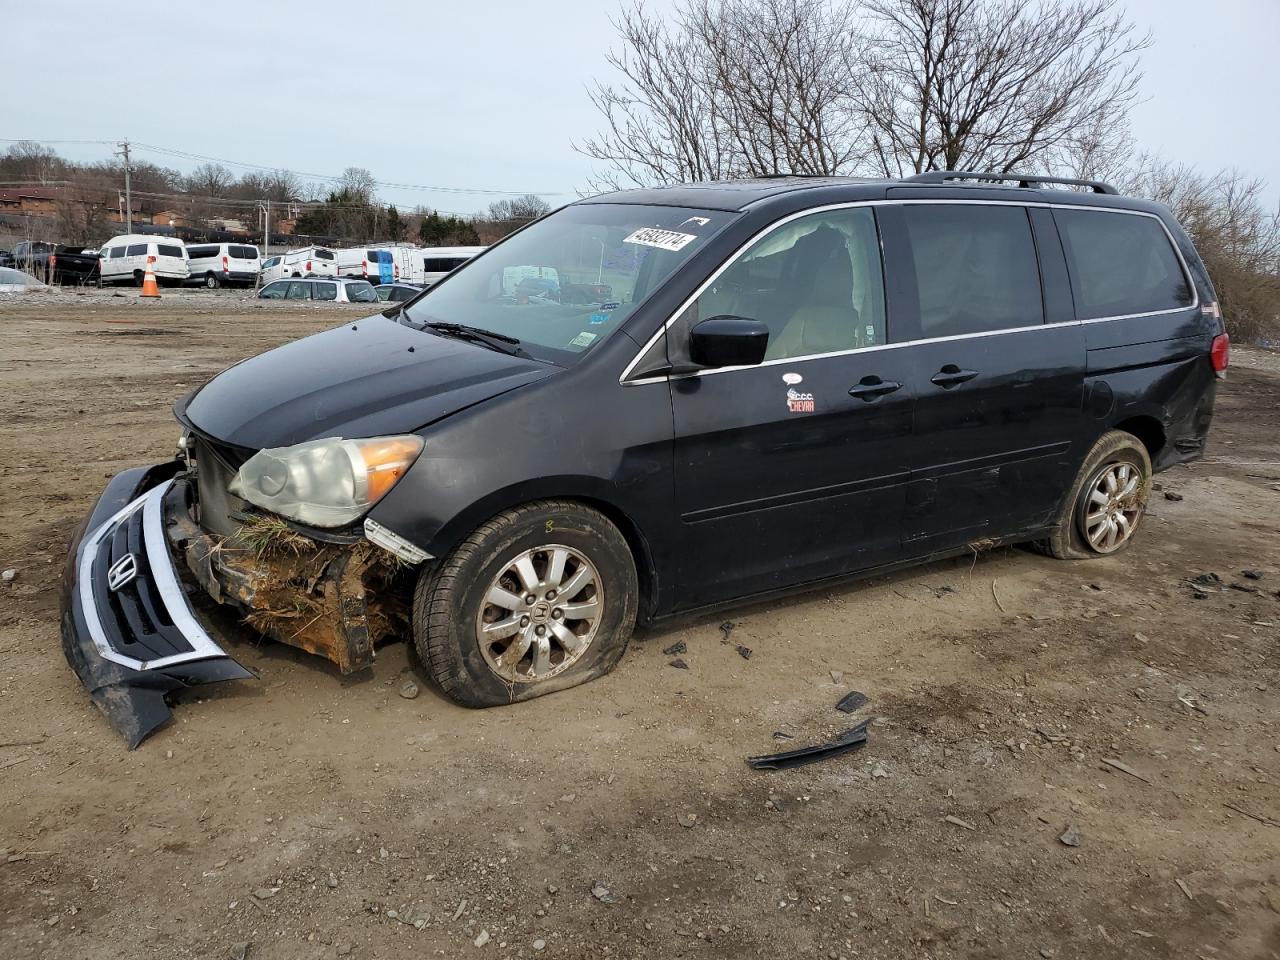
488 96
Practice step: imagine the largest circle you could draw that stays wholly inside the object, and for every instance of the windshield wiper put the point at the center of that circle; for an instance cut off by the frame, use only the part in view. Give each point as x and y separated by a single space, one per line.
489 338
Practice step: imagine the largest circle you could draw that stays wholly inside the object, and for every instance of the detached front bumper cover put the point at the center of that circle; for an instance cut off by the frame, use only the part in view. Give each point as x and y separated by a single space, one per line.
128 629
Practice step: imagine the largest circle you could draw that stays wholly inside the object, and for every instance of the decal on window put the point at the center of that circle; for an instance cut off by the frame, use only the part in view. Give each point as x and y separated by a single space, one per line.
662 239
582 340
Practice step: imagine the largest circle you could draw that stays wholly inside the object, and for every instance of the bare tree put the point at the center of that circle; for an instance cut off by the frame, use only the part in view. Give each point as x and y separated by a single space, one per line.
661 119
358 184
527 207
785 96
890 87
29 162
210 180
997 85
732 88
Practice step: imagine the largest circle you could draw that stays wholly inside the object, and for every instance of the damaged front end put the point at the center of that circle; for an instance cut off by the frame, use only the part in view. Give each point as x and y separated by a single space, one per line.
130 629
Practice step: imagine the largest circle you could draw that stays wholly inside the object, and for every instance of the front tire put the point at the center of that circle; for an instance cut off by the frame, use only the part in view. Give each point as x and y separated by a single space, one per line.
540 598
1101 514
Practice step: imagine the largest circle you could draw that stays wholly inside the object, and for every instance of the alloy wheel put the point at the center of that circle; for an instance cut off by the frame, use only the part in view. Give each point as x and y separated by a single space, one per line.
1112 506
540 613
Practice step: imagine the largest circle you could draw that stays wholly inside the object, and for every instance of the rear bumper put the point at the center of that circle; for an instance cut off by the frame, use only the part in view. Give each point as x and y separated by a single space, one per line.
128 630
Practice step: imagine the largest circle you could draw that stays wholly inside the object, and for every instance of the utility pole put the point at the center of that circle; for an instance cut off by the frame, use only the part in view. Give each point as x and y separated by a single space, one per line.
128 192
266 231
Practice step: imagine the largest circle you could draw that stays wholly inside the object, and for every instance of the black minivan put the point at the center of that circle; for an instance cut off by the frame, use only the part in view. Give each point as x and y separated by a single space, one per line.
774 383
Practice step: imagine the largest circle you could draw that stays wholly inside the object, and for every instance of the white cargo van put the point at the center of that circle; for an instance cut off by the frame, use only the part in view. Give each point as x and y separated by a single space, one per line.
375 264
124 259
223 264
438 261
307 262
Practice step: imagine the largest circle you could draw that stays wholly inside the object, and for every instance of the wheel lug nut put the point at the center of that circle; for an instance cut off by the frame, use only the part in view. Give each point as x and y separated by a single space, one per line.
557 614
524 621
531 599
551 594
541 630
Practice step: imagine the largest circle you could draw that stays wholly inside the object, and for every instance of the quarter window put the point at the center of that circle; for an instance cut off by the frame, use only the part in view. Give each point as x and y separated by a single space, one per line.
1120 263
975 267
816 283
136 250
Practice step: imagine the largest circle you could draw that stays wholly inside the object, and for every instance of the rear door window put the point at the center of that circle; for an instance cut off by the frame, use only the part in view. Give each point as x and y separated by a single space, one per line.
975 268
299 290
167 250
243 253
1120 264
324 291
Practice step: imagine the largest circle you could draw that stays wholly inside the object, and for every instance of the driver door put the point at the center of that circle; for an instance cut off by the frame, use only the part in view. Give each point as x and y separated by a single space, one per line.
794 469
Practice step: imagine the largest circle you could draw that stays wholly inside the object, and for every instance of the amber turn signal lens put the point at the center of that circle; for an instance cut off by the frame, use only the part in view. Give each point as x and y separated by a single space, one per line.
385 461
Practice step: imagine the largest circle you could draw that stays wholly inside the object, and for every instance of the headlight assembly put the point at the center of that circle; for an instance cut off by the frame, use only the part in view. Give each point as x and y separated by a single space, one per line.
325 483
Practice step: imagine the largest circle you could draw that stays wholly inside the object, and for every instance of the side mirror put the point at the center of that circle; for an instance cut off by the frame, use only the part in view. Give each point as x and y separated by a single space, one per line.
728 342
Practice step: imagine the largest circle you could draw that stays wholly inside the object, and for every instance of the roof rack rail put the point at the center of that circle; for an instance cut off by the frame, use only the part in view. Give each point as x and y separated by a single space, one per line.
1022 180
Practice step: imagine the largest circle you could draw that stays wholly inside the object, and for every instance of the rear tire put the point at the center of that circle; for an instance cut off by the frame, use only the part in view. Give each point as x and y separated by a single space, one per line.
137 278
511 558
1109 494
211 282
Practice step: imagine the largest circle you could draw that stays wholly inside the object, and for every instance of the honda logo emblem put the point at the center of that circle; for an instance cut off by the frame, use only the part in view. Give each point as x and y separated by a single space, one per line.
122 572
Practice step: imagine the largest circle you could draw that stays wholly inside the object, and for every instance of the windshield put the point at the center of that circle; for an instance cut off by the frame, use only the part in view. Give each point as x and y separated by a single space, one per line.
564 284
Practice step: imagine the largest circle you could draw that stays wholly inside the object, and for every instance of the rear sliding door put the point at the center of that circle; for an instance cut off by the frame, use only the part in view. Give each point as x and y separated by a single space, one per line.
998 368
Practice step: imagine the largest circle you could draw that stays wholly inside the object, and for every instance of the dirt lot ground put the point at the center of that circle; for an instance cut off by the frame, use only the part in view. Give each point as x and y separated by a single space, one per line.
312 816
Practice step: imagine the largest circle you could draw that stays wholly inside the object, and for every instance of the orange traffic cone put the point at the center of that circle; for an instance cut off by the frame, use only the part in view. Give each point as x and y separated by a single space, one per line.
149 286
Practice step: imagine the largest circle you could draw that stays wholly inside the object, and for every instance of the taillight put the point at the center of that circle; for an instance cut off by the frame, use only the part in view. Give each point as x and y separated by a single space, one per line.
226 266
364 269
1220 354
53 260
308 266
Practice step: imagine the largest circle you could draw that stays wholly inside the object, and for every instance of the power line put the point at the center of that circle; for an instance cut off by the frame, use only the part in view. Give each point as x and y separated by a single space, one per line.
327 178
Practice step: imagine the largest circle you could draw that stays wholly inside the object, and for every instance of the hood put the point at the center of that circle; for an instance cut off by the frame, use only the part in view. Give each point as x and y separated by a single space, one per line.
367 378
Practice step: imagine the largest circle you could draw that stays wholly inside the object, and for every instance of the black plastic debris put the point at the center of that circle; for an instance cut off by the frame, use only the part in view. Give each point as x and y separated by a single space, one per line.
726 628
1207 579
744 652
851 701
675 648
1251 574
852 739
679 664
782 735
1170 495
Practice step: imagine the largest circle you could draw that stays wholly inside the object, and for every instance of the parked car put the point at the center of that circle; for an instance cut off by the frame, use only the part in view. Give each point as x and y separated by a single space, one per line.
307 262
799 380
124 259
338 290
375 264
397 292
223 264
6 258
438 262
15 281
56 263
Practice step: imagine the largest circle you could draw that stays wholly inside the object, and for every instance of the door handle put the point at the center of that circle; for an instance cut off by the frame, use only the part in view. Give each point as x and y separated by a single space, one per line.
951 375
872 387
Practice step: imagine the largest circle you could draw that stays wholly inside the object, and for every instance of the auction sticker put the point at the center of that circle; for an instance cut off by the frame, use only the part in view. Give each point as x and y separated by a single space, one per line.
582 340
662 239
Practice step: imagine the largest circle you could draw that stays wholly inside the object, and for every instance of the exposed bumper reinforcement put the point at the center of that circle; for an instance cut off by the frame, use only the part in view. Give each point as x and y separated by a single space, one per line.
128 630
